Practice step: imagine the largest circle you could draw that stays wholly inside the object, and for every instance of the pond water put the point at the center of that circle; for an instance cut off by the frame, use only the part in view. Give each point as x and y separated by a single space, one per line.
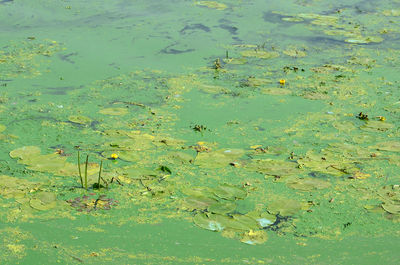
199 132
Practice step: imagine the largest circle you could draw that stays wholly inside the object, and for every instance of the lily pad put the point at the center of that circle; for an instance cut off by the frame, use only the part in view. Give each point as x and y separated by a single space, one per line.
391 208
2 128
79 119
218 158
308 184
230 192
51 163
273 167
212 4
393 146
222 207
260 54
198 203
364 40
377 126
43 201
203 221
25 152
285 207
114 111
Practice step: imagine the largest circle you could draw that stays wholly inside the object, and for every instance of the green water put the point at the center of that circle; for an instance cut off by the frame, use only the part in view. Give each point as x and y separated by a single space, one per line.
238 128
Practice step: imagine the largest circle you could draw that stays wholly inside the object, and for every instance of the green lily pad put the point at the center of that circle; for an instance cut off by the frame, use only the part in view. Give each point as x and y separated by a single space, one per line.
273 167
259 54
2 128
79 119
198 203
263 219
43 201
391 208
51 163
249 221
230 192
219 158
212 4
393 146
308 184
222 207
114 111
25 152
364 40
285 207
203 221
377 126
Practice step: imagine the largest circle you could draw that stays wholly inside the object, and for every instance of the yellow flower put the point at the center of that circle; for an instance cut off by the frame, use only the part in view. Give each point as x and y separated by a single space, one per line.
114 156
282 81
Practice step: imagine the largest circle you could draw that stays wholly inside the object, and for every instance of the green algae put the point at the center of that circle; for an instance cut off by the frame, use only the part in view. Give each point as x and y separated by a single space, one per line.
327 174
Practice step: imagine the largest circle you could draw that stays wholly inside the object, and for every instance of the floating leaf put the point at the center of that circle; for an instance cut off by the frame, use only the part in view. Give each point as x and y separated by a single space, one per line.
202 220
308 184
222 207
2 128
212 4
273 167
391 208
24 152
43 201
259 54
219 158
285 207
230 192
377 126
198 203
79 119
393 146
249 221
114 111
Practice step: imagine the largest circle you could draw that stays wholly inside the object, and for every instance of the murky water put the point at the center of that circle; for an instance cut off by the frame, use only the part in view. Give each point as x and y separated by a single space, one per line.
230 132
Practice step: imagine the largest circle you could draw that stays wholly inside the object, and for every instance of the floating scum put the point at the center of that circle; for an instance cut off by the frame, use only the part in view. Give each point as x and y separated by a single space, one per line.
325 174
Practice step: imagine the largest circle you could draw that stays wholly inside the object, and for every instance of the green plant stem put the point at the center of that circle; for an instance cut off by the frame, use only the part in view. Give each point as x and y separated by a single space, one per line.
86 164
98 181
79 168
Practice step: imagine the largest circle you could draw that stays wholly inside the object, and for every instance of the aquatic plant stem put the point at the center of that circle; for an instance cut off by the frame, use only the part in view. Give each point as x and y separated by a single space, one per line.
86 164
98 181
79 169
